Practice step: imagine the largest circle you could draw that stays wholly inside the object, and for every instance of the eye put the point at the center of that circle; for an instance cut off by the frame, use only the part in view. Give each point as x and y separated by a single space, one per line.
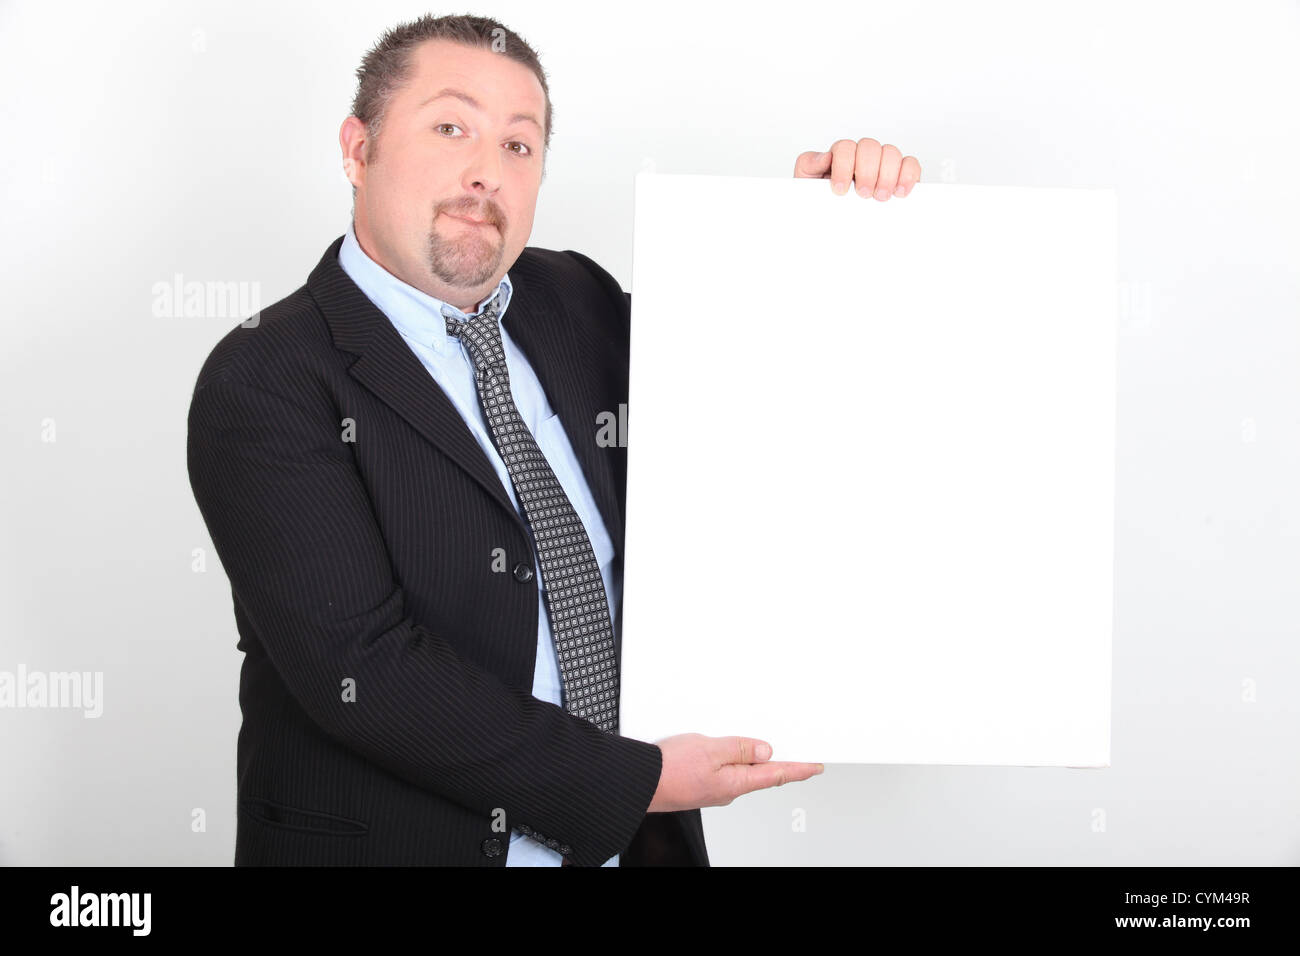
524 150
442 126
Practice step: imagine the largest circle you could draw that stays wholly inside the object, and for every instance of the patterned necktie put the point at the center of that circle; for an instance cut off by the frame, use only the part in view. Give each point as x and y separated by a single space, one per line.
570 576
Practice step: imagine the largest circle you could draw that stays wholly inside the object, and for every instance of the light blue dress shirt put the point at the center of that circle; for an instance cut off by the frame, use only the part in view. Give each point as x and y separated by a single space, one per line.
419 319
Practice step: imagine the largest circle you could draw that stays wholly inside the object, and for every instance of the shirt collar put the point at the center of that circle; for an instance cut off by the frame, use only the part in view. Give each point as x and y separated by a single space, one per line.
417 315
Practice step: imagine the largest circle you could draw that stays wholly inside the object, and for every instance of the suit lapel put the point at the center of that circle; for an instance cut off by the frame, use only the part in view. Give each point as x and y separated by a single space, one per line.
569 363
388 368
561 355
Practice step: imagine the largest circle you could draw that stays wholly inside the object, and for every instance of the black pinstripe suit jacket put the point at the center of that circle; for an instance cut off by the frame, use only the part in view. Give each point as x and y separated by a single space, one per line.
384 591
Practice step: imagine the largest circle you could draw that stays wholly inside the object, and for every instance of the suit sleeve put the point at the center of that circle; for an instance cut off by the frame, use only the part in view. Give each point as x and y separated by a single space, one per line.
291 521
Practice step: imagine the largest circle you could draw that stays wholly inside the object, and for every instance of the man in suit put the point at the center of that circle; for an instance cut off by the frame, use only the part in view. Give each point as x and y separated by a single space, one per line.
398 586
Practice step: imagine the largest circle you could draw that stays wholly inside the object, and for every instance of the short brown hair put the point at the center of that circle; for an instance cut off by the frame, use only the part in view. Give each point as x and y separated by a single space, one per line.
387 67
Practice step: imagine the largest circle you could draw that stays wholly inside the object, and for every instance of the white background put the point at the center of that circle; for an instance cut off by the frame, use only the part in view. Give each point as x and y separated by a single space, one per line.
145 140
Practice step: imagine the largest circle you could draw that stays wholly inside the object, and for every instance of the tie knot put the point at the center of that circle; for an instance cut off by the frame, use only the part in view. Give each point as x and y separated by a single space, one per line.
481 335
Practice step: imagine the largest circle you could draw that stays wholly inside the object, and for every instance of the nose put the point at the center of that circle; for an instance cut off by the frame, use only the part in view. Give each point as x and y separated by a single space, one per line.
482 174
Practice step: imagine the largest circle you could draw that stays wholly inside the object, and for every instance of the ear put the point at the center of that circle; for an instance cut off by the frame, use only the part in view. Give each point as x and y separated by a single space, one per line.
354 142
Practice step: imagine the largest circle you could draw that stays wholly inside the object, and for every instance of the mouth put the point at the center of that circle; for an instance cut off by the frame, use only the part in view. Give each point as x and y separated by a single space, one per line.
472 222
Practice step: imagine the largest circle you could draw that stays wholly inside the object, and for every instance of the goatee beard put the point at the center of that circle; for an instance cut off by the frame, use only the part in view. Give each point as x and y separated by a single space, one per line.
469 260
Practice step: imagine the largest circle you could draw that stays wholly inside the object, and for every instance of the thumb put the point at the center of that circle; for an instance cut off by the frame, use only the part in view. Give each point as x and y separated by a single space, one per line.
740 750
812 165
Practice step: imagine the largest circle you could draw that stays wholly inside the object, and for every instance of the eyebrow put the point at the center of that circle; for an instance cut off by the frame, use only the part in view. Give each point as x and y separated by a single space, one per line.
470 101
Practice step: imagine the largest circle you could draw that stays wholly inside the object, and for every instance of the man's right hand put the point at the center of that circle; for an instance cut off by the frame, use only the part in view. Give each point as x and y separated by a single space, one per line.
701 771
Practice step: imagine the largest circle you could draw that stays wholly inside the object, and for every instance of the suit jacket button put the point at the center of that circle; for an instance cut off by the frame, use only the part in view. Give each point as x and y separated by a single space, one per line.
523 572
492 847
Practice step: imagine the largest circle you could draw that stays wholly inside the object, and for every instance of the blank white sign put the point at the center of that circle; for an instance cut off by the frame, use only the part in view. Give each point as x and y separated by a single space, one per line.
871 454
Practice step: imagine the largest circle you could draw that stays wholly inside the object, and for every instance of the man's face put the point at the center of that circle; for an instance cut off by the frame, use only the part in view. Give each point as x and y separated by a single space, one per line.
442 161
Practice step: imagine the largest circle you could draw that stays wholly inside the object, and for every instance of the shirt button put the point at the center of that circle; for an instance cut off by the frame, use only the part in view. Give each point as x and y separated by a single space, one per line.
492 847
523 572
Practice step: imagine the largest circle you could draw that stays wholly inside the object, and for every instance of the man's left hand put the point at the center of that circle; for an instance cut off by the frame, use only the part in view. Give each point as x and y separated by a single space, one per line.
874 170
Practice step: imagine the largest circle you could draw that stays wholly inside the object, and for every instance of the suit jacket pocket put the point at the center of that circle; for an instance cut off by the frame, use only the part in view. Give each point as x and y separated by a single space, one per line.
274 814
